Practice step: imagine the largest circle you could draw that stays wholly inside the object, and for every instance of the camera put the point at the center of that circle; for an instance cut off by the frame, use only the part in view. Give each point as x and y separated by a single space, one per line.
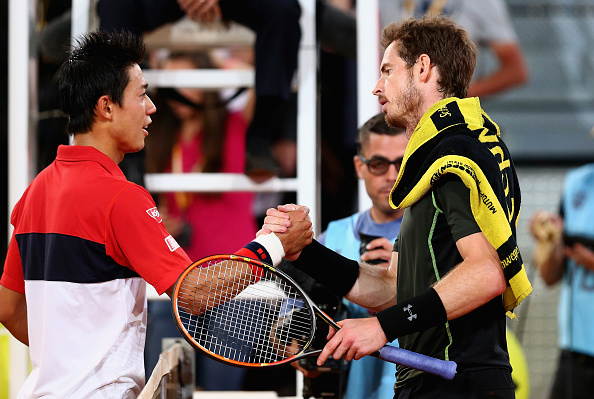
366 239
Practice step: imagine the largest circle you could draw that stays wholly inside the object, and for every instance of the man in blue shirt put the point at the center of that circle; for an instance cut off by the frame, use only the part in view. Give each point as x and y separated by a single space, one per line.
368 236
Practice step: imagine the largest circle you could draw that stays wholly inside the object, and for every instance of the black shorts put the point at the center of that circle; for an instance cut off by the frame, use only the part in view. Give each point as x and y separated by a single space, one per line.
489 383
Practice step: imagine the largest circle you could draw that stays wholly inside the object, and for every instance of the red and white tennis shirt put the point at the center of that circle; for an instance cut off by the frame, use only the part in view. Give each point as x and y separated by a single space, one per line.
84 240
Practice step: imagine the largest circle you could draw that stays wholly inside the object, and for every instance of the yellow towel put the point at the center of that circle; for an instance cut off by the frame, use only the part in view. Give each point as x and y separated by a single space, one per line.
457 136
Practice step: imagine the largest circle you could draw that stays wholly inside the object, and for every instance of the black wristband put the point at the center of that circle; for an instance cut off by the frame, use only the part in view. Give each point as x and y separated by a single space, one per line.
328 268
418 313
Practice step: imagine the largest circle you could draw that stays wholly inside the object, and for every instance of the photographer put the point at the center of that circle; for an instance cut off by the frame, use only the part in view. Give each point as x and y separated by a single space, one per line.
366 236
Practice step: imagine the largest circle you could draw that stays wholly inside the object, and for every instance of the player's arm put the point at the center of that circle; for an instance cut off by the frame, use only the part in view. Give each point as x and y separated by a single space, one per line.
475 281
13 313
375 287
270 248
479 277
472 283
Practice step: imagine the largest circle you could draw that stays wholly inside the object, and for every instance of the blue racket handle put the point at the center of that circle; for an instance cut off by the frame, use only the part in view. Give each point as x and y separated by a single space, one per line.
443 368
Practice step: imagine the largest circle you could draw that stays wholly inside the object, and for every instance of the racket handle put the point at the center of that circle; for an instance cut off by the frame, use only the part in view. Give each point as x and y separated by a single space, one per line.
443 368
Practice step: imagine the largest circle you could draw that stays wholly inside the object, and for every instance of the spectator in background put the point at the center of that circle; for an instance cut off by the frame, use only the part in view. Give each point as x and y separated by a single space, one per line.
369 236
489 26
366 236
565 254
278 33
194 132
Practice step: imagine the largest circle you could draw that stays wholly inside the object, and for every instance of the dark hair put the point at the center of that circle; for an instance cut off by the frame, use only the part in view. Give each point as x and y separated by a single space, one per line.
376 124
98 65
447 45
159 145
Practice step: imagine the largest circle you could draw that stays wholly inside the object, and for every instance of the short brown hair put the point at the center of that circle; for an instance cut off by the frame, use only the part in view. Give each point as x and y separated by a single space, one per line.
447 45
376 124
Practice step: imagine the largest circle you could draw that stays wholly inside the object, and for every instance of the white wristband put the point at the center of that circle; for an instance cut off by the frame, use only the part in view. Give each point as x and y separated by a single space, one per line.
273 246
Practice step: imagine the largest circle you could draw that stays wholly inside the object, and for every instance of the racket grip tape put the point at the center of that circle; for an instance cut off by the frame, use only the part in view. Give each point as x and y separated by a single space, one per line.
443 368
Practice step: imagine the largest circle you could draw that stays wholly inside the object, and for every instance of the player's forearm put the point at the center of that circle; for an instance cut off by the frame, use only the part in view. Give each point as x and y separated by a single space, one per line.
375 288
470 285
328 268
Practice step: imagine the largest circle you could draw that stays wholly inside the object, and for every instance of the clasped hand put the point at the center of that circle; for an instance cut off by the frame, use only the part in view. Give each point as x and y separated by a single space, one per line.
292 225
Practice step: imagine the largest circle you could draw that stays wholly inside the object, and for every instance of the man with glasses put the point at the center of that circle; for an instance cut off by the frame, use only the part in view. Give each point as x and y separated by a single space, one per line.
380 149
368 236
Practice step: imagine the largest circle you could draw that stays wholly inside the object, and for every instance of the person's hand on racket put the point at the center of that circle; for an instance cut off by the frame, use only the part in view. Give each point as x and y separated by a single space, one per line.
356 338
201 10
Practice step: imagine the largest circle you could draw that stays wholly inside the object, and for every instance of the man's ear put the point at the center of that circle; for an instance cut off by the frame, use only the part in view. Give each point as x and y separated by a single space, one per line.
104 107
424 68
359 165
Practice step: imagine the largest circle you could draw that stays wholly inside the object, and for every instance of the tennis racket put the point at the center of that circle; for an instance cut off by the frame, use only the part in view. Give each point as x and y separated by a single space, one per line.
246 313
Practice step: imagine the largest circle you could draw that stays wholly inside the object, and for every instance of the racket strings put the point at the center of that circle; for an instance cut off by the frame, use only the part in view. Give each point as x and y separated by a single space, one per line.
228 313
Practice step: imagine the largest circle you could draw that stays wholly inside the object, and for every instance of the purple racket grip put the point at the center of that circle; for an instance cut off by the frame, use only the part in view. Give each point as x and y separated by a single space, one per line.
443 368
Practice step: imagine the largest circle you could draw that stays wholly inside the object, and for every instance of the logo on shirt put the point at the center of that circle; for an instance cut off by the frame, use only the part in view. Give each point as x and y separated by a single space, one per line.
171 243
154 213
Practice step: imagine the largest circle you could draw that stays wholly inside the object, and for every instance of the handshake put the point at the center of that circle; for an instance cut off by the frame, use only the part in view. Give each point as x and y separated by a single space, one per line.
292 225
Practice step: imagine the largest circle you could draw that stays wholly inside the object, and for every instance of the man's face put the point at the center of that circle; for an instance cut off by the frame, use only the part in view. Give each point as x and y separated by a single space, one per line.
397 92
132 117
378 187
